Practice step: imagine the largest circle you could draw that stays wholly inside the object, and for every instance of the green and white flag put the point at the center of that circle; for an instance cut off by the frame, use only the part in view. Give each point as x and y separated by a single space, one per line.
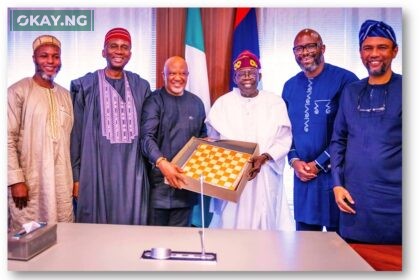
198 82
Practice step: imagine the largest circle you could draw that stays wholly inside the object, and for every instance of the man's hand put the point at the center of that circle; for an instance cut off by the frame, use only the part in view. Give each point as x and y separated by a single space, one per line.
305 171
174 174
313 168
256 164
344 199
20 194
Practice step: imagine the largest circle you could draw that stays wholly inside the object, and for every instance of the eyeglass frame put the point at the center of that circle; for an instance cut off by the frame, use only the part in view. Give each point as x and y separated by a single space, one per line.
375 110
249 72
314 47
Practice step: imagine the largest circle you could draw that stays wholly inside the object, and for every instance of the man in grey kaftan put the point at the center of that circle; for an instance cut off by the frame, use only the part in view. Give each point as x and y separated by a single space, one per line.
108 168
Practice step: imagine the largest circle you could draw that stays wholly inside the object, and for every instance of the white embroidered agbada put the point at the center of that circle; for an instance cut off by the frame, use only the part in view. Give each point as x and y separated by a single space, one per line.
262 119
39 125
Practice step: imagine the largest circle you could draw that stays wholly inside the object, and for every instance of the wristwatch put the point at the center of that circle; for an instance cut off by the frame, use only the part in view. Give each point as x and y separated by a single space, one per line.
159 160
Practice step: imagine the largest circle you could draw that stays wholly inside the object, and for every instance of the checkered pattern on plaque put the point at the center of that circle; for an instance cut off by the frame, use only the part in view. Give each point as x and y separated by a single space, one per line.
118 117
220 167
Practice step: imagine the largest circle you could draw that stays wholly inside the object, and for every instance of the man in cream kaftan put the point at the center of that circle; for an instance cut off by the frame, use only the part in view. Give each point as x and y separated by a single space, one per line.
40 119
259 117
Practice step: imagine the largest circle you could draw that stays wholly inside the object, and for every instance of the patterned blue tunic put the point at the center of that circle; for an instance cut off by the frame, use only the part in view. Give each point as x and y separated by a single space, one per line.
312 105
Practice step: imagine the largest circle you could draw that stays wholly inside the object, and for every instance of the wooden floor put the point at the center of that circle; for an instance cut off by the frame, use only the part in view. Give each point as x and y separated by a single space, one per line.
381 257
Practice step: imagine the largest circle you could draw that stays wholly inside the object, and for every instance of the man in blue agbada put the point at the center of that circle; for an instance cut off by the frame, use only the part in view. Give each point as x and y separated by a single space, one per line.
108 169
366 147
312 101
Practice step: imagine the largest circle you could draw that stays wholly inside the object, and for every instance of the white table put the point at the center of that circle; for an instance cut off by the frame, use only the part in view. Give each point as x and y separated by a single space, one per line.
93 247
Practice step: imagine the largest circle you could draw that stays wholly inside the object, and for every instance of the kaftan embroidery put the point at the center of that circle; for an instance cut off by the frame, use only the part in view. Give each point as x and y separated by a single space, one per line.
307 105
52 115
119 117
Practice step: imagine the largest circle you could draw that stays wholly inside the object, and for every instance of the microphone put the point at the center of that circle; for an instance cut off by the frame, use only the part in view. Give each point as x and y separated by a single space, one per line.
201 232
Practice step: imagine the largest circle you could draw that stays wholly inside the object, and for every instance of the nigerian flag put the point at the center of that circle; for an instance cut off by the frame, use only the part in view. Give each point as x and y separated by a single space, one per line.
245 35
198 82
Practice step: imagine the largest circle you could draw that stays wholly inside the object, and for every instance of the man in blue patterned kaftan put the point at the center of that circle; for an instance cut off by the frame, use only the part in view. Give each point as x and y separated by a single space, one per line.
312 101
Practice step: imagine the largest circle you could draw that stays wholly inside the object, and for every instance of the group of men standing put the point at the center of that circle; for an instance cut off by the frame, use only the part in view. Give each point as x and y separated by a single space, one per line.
109 142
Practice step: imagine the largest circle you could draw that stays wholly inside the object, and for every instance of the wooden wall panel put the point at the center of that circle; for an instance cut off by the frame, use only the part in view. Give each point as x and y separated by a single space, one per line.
170 37
217 29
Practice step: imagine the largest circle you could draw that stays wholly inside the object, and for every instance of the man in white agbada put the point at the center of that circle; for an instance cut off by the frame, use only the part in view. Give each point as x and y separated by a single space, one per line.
247 114
40 119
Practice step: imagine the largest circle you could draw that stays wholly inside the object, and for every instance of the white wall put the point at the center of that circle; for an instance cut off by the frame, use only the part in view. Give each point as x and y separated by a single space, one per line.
81 51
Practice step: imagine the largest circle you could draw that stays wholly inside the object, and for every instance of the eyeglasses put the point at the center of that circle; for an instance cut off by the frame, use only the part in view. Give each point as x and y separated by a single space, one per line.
309 47
250 73
368 109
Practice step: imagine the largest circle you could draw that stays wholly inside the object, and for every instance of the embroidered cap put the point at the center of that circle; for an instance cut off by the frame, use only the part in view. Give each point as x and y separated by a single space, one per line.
374 28
246 59
117 33
45 40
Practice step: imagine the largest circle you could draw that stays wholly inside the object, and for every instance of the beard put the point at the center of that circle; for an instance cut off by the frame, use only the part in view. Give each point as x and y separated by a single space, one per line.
44 75
48 77
377 72
314 65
